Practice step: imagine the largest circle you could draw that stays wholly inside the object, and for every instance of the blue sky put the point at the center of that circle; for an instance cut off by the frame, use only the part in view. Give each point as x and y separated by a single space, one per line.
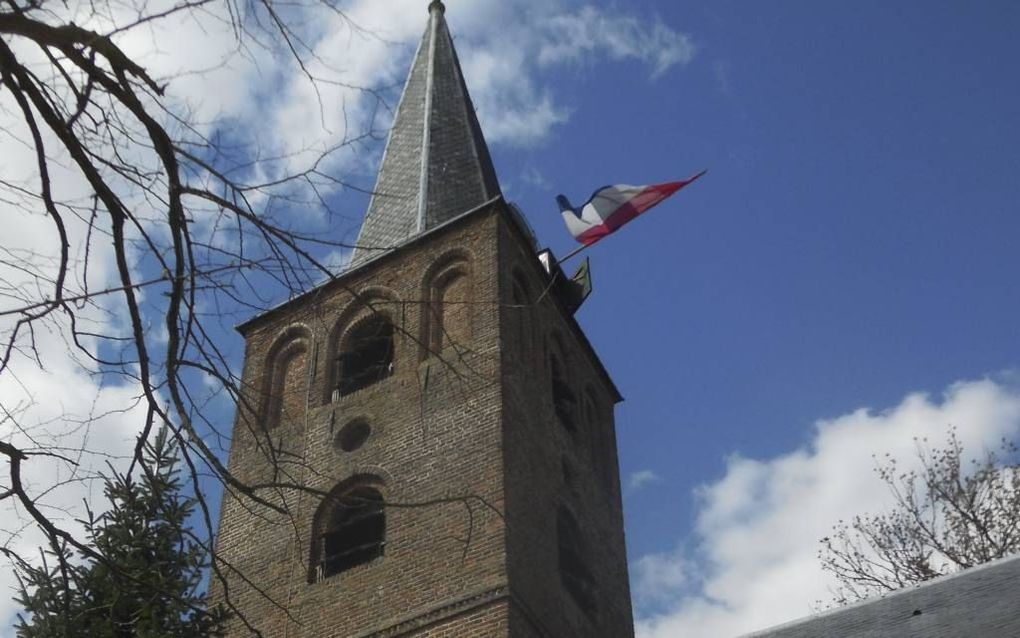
855 239
841 281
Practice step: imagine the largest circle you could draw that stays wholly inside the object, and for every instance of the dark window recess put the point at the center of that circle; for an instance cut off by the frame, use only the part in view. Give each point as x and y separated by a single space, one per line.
353 435
602 455
451 314
573 566
367 355
353 532
286 370
564 402
521 313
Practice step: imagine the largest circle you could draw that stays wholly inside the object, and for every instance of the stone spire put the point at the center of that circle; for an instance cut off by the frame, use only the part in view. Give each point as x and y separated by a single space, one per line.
436 165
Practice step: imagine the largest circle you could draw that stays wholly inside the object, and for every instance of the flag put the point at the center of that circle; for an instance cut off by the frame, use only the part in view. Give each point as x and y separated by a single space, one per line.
613 206
580 286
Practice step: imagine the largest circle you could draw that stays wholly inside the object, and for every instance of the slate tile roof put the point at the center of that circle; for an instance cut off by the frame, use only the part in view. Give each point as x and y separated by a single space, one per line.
436 165
981 602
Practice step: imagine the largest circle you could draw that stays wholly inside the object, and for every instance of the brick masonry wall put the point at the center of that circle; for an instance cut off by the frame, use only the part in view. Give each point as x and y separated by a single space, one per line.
475 422
478 622
539 448
435 435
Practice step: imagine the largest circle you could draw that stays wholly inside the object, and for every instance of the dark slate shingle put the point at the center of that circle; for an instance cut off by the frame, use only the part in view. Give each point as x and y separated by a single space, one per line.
421 185
981 602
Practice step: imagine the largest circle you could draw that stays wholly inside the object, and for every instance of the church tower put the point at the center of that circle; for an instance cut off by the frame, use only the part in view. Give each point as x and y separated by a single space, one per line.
448 422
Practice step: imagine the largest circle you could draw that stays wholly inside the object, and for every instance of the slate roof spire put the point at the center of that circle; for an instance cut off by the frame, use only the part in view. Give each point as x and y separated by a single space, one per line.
436 165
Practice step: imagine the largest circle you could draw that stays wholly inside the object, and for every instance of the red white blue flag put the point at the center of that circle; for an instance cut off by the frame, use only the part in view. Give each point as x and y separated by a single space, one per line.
613 206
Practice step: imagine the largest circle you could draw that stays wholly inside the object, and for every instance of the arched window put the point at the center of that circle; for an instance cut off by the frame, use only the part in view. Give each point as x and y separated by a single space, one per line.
573 561
601 446
286 381
349 530
564 401
451 312
447 317
366 354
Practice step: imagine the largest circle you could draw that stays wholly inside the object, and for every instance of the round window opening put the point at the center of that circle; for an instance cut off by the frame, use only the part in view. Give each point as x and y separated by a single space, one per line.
353 435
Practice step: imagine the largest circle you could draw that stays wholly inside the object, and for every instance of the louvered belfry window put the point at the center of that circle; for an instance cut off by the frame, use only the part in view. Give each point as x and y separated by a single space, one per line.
367 354
352 531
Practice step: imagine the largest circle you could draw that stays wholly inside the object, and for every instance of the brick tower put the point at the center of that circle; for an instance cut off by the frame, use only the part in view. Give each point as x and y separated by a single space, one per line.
448 419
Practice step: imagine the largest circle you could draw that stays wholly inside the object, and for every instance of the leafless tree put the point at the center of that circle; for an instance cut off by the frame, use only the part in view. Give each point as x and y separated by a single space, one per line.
948 515
192 219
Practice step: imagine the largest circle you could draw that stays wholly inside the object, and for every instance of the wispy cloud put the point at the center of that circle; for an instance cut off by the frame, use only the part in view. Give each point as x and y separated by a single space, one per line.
533 177
576 35
509 47
758 527
640 479
721 70
660 578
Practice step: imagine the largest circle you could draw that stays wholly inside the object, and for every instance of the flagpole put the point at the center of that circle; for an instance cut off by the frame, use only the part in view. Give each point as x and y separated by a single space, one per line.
574 253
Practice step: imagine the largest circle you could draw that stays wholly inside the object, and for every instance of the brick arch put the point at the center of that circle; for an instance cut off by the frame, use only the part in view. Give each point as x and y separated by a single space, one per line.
446 289
379 472
370 302
444 260
348 527
285 376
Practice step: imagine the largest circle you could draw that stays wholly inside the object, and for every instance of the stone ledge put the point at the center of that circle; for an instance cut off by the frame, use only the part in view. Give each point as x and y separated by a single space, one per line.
439 614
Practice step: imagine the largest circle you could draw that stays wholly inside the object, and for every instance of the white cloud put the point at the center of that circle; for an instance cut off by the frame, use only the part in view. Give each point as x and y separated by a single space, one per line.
641 478
572 36
758 527
253 94
504 47
255 91
63 406
659 578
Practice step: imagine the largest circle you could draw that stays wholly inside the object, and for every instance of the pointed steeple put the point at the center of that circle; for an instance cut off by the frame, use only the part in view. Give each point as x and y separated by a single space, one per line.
436 165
